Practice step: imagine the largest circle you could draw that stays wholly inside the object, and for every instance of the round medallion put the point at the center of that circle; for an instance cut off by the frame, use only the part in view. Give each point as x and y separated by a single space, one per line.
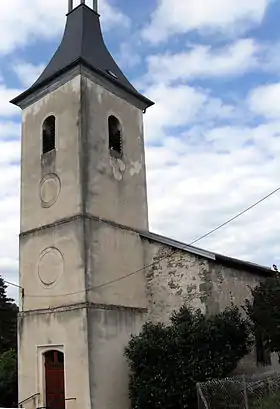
50 266
49 190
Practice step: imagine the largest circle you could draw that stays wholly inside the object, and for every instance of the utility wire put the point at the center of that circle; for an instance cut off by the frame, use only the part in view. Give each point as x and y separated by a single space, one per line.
163 257
12 284
236 217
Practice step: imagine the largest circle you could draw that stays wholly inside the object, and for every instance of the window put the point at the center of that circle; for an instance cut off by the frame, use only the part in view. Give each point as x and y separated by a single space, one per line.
49 134
115 137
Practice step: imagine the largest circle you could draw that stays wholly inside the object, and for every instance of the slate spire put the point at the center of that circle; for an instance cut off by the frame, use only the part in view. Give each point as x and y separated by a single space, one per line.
83 45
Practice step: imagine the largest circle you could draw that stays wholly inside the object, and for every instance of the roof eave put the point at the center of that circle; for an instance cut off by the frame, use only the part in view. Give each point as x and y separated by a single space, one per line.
245 265
145 102
224 260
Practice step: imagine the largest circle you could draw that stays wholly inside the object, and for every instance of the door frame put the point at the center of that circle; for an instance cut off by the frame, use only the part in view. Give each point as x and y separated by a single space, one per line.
41 376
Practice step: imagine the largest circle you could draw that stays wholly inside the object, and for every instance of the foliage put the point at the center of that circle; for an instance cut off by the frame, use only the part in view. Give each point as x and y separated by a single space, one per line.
8 320
8 349
167 361
8 379
268 402
264 311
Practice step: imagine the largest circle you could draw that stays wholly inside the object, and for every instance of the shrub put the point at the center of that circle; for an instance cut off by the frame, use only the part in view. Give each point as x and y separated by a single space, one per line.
167 361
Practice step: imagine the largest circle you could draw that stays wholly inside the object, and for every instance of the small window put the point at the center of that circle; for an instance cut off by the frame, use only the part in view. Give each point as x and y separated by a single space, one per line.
49 134
115 137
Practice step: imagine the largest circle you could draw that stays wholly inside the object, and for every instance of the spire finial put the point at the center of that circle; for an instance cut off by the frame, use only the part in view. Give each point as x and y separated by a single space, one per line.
70 5
94 5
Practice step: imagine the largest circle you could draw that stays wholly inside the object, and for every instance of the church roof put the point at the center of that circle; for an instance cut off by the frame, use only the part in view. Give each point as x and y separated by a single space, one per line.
224 260
83 44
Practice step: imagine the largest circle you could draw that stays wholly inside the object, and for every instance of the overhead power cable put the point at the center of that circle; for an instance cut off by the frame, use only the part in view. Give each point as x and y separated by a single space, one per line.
161 258
236 217
12 284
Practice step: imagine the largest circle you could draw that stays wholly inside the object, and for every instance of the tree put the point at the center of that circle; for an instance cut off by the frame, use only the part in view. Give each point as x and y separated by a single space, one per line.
264 312
8 379
8 349
167 361
8 320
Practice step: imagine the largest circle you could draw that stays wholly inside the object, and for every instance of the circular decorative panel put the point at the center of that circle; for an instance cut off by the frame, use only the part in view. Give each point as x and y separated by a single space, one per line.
50 266
49 189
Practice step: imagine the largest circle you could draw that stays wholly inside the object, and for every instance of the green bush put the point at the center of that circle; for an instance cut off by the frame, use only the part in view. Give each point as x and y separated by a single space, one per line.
264 312
268 402
8 349
167 361
8 379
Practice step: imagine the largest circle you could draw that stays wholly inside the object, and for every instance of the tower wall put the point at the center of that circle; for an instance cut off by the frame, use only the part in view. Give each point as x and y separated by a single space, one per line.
64 329
76 202
83 198
109 332
52 268
114 189
50 184
114 252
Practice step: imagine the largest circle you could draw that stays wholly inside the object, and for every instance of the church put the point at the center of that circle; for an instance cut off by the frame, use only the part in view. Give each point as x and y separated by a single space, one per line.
91 272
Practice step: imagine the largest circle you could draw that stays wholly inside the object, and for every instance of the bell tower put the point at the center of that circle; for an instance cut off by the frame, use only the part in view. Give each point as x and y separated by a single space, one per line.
83 202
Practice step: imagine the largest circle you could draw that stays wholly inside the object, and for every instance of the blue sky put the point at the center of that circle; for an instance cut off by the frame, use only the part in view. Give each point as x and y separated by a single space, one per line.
213 137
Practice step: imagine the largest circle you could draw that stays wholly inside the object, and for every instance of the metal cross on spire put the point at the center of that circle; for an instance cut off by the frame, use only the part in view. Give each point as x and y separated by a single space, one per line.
94 5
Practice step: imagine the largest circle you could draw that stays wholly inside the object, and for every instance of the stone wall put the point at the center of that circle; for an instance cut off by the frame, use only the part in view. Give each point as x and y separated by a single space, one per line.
187 278
173 281
177 277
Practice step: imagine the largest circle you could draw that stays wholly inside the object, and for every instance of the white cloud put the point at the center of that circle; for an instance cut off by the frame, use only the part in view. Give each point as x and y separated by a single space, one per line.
9 200
197 183
9 129
128 56
10 152
23 21
209 62
6 94
28 73
110 16
201 173
181 106
177 16
265 100
9 218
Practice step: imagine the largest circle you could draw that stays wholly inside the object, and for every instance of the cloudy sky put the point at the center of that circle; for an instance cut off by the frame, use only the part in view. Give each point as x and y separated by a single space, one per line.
213 137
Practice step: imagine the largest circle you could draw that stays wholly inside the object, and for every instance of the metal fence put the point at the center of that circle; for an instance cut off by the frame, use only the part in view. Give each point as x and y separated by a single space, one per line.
241 392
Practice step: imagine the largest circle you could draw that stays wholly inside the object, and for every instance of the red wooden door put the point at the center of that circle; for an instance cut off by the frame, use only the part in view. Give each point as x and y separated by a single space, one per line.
54 375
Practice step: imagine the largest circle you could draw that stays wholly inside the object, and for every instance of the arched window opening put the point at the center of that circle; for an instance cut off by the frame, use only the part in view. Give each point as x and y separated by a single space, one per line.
49 134
54 379
115 137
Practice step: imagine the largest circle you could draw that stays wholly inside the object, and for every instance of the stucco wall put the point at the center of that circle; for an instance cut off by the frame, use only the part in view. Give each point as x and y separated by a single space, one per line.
62 330
113 253
52 266
115 189
50 184
109 333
